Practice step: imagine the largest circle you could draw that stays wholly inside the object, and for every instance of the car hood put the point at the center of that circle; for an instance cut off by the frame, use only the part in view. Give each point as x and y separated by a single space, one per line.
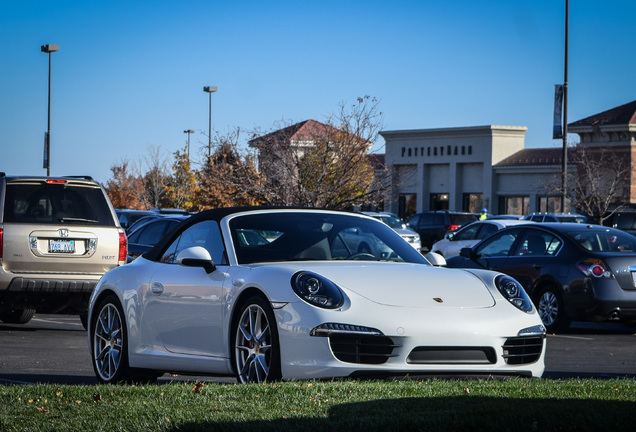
404 231
406 285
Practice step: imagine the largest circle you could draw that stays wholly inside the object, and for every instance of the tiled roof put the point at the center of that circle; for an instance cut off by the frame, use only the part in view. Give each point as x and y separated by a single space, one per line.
622 115
534 157
307 130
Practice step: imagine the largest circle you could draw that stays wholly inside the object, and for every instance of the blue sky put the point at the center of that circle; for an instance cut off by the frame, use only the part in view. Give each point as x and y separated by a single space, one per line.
129 75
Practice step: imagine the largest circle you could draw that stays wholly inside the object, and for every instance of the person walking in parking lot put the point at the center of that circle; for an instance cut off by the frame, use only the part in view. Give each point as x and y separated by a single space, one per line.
484 214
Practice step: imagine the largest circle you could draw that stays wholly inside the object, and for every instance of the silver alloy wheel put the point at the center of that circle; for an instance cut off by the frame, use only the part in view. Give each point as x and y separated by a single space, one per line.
108 342
253 345
548 308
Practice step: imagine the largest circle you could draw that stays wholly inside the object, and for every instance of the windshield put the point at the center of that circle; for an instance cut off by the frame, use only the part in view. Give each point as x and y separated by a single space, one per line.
392 221
609 240
305 236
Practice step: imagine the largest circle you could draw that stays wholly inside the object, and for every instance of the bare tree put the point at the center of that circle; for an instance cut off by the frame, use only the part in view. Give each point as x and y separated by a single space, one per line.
155 178
600 183
323 164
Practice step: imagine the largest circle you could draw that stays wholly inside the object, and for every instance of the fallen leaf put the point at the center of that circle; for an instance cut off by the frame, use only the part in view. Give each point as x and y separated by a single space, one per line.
197 387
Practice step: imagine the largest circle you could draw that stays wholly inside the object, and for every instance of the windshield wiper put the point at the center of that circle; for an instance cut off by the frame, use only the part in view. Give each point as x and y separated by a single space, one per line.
78 220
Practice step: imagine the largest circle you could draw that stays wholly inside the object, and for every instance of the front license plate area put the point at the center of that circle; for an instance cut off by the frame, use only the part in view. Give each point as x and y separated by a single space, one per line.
61 246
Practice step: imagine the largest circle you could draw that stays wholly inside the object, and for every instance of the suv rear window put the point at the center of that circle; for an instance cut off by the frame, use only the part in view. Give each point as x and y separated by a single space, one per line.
55 204
461 219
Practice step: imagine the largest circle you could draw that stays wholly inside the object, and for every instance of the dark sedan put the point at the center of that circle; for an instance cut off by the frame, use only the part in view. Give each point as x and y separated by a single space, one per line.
571 271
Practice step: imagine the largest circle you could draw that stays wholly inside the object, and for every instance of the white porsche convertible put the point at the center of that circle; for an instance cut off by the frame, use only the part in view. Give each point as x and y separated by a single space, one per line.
279 293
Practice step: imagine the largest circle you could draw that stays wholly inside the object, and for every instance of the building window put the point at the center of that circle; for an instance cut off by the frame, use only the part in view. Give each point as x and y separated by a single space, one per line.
551 204
407 205
514 205
472 202
439 201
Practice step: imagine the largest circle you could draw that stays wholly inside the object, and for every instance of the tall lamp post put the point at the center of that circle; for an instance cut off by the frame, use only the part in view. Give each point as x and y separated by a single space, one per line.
564 180
210 90
189 131
48 49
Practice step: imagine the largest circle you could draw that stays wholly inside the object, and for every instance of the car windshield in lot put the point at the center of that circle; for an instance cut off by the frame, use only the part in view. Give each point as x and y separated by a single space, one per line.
288 236
392 221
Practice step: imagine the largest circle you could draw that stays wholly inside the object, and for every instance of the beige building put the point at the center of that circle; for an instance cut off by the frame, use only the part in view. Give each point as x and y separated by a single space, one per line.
467 168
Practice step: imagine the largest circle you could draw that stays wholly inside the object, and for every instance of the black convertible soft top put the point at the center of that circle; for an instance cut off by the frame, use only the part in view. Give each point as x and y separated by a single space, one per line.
217 214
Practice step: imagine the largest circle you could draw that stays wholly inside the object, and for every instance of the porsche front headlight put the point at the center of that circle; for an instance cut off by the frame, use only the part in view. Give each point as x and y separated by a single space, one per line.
317 290
513 292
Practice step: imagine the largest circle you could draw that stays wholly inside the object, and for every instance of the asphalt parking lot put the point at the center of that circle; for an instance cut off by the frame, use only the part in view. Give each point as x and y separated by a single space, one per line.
54 349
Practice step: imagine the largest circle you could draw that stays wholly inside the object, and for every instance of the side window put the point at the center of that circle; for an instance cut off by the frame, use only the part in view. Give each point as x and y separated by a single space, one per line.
151 234
206 234
487 231
499 245
413 221
469 233
537 243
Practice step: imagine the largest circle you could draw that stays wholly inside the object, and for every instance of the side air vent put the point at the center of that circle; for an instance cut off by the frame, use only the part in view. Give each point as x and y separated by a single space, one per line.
522 350
364 349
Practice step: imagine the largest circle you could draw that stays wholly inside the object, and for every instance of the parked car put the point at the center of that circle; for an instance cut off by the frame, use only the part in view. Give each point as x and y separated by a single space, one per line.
624 220
399 227
505 216
127 217
208 300
471 234
571 271
58 236
556 217
432 226
147 235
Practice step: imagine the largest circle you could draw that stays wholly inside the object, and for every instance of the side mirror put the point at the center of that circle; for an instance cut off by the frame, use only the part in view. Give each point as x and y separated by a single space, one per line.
436 259
450 236
196 256
467 253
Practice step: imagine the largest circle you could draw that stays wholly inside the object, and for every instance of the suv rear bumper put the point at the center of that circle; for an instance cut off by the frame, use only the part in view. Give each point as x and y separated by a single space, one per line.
21 284
68 296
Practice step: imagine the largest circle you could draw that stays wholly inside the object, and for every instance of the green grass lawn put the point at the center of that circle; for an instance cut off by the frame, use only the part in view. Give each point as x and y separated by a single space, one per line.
436 405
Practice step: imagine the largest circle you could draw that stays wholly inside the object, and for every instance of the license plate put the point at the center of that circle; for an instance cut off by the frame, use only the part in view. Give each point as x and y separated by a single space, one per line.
62 246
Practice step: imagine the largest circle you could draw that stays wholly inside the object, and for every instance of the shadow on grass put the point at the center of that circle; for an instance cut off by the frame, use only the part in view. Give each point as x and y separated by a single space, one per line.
464 413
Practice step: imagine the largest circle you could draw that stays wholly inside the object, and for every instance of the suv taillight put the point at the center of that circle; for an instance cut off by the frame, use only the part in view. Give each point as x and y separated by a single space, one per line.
56 181
123 247
451 227
1 241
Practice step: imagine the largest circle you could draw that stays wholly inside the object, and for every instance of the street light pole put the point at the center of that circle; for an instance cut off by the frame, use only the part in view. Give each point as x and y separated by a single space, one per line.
49 48
189 131
564 179
210 90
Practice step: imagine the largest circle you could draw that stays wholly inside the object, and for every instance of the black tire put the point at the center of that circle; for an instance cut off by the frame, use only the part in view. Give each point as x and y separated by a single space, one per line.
17 316
255 343
549 303
109 346
108 337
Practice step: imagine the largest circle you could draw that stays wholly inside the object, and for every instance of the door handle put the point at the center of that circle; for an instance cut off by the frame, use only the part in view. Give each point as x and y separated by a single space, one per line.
157 288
